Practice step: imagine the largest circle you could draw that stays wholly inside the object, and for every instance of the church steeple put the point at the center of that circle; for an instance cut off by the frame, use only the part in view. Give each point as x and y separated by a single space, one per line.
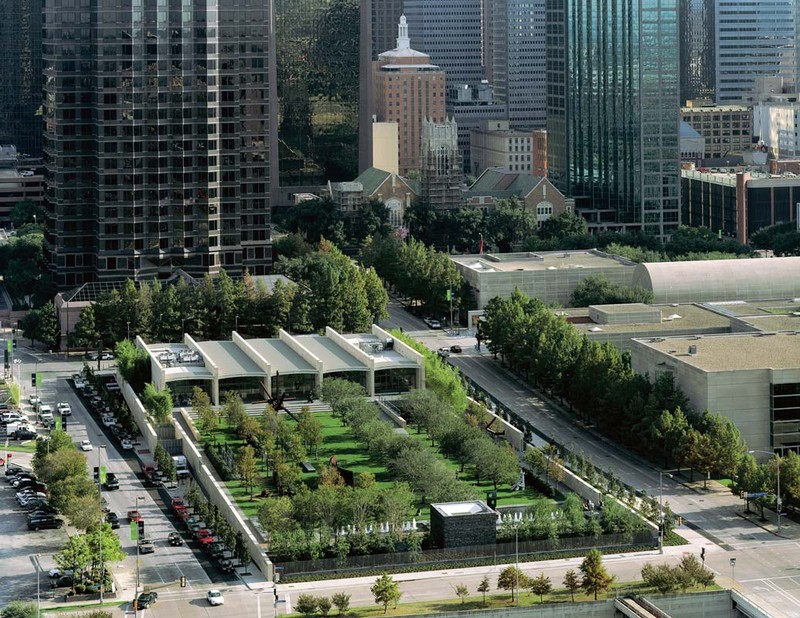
403 42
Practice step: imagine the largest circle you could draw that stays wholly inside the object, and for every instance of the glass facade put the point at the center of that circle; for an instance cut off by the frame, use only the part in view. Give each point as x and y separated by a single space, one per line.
21 75
785 417
156 137
754 39
317 55
698 50
517 58
709 204
612 109
451 33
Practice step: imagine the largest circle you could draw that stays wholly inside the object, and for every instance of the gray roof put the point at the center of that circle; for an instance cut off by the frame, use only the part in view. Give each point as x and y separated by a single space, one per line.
720 280
280 356
502 183
333 357
688 131
230 359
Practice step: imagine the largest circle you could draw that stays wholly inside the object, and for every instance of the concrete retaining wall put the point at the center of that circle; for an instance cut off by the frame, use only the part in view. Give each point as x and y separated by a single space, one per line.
202 475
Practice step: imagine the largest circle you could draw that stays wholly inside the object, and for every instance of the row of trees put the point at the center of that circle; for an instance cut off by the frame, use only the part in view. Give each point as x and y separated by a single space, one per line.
424 276
782 239
686 574
752 477
64 469
597 290
210 514
597 380
332 291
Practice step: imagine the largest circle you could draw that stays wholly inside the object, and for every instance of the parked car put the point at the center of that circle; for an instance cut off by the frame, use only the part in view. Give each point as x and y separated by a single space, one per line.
24 433
432 323
126 444
63 581
214 597
112 482
113 519
175 539
45 522
455 349
146 599
107 356
33 399
443 352
146 546
80 384
134 515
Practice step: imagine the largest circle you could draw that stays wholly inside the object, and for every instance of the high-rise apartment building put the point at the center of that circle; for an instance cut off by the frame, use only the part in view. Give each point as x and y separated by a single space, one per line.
21 75
698 49
451 33
318 64
754 39
612 110
156 138
408 90
517 55
384 15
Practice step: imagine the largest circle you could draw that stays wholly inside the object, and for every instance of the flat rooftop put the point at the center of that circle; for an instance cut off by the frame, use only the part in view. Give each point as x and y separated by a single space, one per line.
733 352
332 356
545 260
673 319
373 346
452 509
280 356
742 309
229 358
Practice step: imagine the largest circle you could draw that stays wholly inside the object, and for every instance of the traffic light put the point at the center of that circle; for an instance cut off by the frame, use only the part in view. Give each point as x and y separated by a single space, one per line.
183 581
33 379
140 525
680 520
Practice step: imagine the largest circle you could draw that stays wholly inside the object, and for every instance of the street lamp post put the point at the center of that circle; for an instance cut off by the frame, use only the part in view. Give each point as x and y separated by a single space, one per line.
516 562
35 560
733 572
136 591
17 363
661 511
100 449
778 483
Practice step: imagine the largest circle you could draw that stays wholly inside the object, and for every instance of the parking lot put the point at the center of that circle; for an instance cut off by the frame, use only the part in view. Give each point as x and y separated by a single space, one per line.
166 565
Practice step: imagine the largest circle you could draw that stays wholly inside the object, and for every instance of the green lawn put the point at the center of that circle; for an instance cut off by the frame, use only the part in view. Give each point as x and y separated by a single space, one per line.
351 455
501 601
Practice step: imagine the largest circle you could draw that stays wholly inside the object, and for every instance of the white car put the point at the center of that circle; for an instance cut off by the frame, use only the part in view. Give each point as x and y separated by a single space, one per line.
33 399
214 597
79 383
126 444
64 408
86 445
109 420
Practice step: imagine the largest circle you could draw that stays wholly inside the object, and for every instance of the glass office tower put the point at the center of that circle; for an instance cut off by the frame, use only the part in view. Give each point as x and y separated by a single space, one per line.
317 56
698 50
156 138
754 39
21 75
612 110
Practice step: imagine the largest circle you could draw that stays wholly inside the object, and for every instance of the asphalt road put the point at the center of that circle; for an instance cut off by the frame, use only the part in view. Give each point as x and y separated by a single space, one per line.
766 566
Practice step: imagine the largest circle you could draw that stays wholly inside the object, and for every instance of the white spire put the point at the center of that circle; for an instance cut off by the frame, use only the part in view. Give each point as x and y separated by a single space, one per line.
403 42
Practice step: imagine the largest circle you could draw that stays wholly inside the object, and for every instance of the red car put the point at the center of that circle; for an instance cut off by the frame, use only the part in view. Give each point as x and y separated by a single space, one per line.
178 503
135 515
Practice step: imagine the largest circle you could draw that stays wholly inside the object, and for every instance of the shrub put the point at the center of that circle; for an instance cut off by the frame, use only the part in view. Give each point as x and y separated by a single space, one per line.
342 602
323 605
307 604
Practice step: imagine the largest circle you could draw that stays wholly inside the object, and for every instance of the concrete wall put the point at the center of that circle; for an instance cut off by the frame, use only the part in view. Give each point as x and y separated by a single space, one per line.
139 414
515 437
216 495
202 475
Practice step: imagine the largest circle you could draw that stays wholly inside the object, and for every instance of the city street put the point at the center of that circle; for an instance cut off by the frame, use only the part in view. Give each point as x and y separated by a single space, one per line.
765 569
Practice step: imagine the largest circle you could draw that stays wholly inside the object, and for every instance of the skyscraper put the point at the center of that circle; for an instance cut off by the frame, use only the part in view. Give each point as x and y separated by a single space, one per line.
21 75
156 138
516 52
317 44
698 49
754 39
451 33
408 90
612 110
